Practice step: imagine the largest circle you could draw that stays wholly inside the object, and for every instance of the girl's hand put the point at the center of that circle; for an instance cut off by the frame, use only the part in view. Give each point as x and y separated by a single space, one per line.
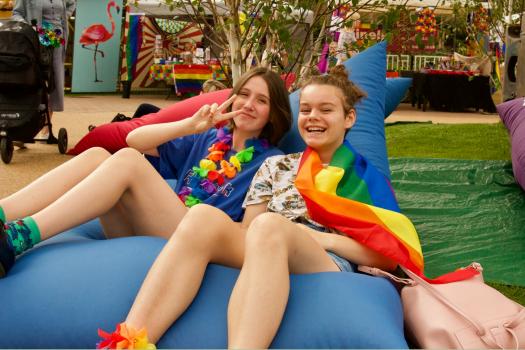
210 115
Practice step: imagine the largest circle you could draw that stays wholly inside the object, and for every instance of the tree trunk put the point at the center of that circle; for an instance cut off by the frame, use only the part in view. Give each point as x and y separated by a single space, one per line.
520 74
236 65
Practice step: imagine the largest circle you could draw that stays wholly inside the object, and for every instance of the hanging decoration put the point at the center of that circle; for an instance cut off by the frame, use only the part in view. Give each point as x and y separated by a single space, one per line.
170 26
426 22
481 20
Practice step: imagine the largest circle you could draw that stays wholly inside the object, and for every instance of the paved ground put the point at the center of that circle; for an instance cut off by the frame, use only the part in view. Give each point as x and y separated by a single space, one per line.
83 110
406 113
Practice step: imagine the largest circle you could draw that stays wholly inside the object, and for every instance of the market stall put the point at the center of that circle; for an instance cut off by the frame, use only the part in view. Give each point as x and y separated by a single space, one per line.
161 49
452 91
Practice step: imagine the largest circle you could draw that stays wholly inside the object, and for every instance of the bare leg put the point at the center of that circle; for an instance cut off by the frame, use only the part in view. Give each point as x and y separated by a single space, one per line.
125 181
275 247
50 186
44 132
115 223
175 277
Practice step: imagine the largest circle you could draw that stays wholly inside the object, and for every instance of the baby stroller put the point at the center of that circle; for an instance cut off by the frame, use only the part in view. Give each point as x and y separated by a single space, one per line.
25 77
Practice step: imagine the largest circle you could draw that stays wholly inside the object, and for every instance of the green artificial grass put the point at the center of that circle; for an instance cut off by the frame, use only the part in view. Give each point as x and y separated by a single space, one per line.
450 141
513 292
453 141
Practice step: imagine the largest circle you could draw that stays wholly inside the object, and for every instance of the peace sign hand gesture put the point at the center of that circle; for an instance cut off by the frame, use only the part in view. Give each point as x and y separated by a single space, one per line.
210 115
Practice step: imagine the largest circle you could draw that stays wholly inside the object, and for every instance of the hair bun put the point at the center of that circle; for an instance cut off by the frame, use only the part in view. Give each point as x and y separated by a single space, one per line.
339 72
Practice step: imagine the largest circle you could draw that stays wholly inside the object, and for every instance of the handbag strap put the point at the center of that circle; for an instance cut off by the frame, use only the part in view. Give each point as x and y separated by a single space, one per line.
374 271
510 325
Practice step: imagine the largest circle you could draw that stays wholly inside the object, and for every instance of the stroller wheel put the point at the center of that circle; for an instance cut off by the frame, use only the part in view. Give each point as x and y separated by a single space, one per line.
6 149
62 140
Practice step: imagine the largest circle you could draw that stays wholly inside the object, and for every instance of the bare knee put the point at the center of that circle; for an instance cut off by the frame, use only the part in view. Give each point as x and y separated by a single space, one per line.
205 214
128 158
200 218
201 227
95 155
128 153
267 232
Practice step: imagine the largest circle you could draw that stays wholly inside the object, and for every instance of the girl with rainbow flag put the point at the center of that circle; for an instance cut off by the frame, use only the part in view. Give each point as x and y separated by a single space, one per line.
325 209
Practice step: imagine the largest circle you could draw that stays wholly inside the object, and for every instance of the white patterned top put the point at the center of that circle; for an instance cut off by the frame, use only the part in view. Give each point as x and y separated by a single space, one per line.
274 183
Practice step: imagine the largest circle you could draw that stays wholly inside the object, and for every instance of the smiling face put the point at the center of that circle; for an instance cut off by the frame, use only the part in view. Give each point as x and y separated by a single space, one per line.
322 121
253 99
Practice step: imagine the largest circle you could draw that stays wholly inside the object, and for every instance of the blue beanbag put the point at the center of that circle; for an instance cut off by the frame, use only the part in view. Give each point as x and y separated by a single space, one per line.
396 89
367 70
58 295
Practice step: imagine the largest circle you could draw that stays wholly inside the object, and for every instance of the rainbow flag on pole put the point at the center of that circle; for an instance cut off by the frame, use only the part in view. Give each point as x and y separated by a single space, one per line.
353 197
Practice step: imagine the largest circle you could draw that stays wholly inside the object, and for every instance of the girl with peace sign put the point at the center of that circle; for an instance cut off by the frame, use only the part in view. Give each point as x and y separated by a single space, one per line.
212 165
279 234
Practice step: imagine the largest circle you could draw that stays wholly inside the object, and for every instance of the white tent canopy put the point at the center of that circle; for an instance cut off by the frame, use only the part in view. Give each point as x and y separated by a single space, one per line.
158 8
441 6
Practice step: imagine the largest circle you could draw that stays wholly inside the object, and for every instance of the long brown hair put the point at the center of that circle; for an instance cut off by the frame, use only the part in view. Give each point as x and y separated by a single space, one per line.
280 120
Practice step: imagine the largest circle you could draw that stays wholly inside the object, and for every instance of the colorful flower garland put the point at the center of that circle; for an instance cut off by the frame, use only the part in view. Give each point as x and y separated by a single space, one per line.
426 21
207 178
50 36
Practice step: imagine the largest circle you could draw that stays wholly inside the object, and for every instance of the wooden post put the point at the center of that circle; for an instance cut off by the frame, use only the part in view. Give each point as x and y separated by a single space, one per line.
520 74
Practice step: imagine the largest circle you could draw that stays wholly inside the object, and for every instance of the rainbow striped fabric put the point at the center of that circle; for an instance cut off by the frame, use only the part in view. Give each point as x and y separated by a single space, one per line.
189 78
192 72
133 45
353 197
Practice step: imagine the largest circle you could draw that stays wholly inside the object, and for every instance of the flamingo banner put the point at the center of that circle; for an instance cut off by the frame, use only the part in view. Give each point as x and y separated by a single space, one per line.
97 41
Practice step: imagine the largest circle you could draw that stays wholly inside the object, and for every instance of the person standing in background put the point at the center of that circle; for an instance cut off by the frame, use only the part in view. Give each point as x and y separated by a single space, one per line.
55 13
347 38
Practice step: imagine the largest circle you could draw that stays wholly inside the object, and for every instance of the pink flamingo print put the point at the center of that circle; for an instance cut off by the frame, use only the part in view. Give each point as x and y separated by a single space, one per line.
96 34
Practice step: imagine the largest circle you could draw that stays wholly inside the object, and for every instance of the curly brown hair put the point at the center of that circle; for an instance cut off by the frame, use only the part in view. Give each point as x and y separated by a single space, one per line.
338 77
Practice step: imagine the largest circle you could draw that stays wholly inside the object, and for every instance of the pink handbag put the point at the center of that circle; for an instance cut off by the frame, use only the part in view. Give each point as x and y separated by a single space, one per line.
461 315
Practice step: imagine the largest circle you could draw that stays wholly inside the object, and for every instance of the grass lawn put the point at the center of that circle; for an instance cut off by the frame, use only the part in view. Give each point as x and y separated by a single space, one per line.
453 141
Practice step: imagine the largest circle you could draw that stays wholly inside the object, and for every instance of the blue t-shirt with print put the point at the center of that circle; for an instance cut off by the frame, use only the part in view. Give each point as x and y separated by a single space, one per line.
179 156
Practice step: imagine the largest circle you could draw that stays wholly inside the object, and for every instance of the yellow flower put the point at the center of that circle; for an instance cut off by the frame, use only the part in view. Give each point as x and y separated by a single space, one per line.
207 164
236 163
134 339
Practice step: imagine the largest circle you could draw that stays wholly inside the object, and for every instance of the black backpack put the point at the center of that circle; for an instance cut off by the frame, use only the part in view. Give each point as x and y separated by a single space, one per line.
20 58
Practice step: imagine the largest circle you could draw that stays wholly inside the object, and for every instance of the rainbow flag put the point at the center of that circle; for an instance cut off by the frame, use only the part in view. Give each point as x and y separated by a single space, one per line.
353 197
133 45
192 72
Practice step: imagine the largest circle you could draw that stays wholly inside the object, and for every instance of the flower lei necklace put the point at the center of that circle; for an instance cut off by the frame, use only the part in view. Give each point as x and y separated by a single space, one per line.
50 36
208 177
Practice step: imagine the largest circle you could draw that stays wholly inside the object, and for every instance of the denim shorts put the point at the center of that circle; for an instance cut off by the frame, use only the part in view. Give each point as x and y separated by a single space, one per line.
342 263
